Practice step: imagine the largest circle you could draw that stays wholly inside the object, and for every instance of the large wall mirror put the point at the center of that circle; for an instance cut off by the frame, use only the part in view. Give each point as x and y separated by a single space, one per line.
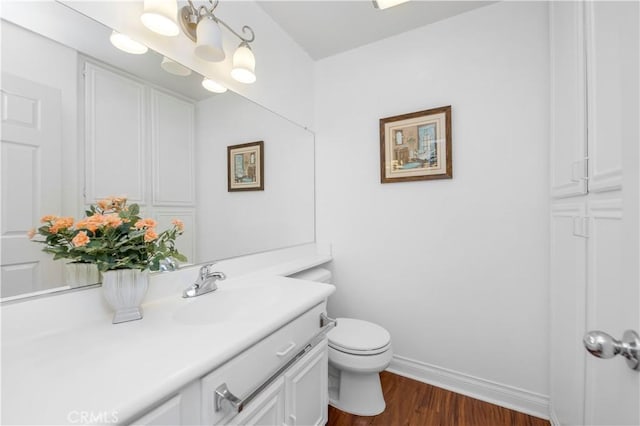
82 120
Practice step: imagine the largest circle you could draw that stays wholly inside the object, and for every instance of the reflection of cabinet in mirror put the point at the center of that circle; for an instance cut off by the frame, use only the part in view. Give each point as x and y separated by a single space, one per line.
139 144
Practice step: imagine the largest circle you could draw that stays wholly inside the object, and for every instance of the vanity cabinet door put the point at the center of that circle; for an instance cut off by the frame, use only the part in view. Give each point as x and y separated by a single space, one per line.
307 389
267 409
166 414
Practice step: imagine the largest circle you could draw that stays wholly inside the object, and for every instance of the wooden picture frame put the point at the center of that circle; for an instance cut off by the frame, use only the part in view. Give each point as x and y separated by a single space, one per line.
416 146
245 167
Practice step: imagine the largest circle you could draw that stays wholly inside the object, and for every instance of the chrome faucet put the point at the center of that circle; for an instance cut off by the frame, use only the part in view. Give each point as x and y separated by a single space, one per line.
205 283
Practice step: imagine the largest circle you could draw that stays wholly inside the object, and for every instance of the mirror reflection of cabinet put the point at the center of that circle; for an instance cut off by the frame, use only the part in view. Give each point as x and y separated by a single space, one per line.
139 143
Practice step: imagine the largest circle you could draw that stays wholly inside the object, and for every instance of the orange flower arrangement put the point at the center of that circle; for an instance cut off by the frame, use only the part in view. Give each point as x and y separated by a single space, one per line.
112 236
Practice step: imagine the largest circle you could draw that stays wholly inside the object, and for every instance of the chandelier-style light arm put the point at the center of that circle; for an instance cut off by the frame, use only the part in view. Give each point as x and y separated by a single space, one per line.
190 15
245 29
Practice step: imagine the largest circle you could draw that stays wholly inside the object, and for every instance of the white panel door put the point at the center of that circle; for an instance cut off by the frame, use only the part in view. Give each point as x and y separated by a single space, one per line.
31 181
612 394
172 145
568 298
568 103
609 33
115 128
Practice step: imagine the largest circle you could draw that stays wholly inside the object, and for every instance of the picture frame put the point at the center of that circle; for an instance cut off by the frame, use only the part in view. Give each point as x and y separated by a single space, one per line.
416 146
245 167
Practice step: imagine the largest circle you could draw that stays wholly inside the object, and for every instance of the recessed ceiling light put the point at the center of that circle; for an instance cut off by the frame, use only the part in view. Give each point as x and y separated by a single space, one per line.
126 44
385 4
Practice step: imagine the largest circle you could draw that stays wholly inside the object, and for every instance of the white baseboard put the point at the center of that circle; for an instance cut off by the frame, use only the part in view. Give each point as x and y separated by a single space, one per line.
495 393
552 416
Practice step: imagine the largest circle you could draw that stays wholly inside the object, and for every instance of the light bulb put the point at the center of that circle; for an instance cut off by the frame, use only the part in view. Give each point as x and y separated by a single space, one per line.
126 44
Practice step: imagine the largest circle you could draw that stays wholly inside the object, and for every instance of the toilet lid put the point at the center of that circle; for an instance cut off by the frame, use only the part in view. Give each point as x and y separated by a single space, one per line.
352 335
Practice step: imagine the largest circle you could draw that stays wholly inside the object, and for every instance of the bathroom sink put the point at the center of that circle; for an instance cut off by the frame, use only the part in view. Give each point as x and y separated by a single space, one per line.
230 303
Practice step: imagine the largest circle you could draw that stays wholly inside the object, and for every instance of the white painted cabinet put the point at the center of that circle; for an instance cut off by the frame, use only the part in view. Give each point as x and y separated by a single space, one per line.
139 142
115 135
307 389
172 145
166 414
296 396
267 410
595 230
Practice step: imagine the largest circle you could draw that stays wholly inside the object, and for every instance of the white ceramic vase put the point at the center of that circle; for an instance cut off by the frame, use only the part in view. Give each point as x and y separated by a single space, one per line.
81 274
124 289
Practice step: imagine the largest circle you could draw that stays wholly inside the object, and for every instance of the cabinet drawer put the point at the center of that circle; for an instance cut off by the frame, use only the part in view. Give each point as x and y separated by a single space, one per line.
254 366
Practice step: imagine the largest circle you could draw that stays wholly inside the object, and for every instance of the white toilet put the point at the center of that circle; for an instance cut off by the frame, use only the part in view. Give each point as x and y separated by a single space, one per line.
358 352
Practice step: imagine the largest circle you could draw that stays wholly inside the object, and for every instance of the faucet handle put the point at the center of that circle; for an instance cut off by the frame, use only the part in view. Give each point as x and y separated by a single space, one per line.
204 270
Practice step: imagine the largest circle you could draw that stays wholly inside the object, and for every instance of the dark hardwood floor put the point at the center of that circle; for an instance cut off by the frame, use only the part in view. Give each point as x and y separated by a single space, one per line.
410 402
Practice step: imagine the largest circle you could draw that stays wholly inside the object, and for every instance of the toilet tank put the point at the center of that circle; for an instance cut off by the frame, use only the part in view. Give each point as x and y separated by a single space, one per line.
317 274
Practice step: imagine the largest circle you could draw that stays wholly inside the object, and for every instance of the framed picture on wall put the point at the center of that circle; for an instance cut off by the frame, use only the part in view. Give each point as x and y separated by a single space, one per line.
245 165
416 146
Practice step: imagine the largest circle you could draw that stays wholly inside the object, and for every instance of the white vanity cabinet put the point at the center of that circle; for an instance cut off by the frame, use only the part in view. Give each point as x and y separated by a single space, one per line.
304 381
299 397
282 378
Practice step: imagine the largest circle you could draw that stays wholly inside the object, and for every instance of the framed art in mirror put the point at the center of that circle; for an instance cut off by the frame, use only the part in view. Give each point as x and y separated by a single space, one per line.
246 167
416 146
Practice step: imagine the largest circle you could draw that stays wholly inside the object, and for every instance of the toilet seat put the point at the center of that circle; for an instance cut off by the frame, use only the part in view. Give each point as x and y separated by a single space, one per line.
358 337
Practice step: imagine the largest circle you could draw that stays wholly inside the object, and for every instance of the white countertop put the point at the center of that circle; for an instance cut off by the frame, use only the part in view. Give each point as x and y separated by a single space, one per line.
83 363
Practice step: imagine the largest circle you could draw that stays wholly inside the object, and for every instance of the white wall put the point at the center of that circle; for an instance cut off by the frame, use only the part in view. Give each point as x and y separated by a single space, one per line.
239 223
456 269
284 71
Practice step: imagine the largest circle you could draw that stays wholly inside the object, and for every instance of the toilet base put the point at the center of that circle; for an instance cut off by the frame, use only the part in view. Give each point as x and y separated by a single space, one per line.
359 394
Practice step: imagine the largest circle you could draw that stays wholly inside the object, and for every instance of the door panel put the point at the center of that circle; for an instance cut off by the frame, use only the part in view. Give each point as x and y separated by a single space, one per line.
568 104
568 298
613 390
609 27
31 155
613 50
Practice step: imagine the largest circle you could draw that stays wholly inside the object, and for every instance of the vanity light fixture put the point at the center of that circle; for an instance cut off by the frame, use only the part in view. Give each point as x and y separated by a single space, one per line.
385 4
172 67
213 86
203 27
126 44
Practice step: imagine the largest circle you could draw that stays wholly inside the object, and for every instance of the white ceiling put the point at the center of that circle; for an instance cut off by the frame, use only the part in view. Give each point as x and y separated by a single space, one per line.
325 28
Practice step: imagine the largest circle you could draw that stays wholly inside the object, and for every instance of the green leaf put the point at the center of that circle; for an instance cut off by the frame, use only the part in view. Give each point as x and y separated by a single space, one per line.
134 210
179 256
